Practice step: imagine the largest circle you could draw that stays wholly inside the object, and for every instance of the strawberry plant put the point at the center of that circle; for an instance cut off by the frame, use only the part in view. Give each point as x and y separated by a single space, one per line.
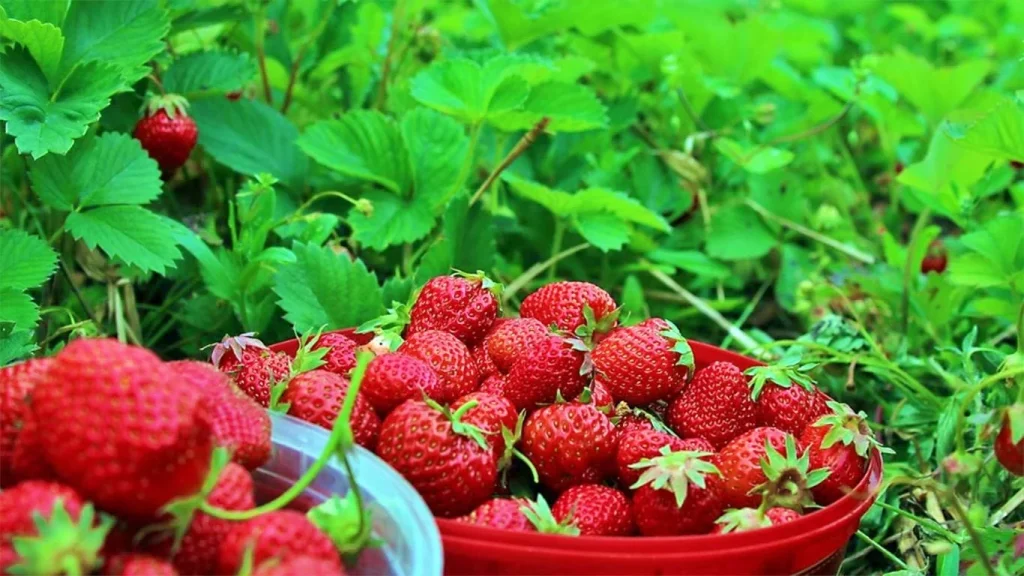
834 188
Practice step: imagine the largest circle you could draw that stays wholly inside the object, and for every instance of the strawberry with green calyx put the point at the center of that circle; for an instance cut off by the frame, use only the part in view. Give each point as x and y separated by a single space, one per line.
501 513
841 443
595 510
561 304
785 395
1009 443
542 517
387 328
464 305
642 445
677 493
553 366
643 364
445 458
593 329
628 419
715 406
281 534
740 464
166 131
789 477
61 544
744 519
308 357
595 393
347 522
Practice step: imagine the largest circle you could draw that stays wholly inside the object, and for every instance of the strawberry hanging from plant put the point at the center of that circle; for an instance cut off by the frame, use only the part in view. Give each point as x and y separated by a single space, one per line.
167 132
1009 445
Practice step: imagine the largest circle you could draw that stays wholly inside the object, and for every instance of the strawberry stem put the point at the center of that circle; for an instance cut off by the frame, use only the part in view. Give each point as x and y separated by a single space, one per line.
338 443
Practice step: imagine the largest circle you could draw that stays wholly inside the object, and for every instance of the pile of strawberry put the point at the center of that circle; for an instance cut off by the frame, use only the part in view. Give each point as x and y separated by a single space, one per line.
115 462
611 423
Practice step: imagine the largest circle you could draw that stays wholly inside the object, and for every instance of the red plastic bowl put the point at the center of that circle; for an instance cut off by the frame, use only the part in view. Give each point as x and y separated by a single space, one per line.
812 544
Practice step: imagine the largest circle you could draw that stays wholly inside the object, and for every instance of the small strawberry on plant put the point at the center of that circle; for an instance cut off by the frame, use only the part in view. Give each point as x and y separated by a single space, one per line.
167 132
786 396
464 305
716 406
1009 444
643 364
677 493
595 510
842 444
936 259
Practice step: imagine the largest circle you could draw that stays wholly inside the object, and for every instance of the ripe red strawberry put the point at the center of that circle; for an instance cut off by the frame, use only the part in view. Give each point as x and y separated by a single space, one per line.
121 428
715 406
628 420
28 461
167 132
786 397
393 378
282 534
17 505
514 338
561 304
341 355
636 446
1009 444
595 393
552 366
678 493
251 366
743 519
16 382
493 384
238 423
740 464
570 444
447 460
299 566
494 415
840 443
640 365
503 513
595 510
200 546
317 396
450 360
139 565
484 363
462 305
69 539
936 259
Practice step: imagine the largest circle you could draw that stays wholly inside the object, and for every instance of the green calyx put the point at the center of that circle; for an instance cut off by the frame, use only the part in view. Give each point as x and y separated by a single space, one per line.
592 326
510 437
458 426
784 373
62 545
390 324
171 104
486 283
742 519
680 346
539 514
307 358
346 522
850 429
675 471
789 477
624 409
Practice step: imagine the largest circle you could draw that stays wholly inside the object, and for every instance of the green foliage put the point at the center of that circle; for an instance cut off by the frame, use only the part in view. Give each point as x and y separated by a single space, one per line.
782 179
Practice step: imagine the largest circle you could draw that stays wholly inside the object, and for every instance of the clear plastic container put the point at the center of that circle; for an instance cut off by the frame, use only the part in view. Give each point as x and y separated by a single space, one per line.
411 542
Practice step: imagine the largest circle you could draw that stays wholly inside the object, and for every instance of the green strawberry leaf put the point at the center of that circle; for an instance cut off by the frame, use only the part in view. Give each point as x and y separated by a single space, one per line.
394 220
131 234
26 260
44 42
935 91
322 288
569 107
362 144
437 147
994 257
209 73
14 345
469 91
993 126
43 121
756 158
236 135
724 243
107 170
18 308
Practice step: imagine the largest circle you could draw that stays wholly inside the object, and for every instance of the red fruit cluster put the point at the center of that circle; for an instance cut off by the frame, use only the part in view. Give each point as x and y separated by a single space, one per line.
616 422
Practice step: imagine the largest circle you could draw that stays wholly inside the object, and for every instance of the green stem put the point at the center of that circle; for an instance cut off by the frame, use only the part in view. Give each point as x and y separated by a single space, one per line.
748 311
923 521
556 246
961 418
516 151
339 440
320 196
850 251
1006 509
979 546
885 551
709 312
